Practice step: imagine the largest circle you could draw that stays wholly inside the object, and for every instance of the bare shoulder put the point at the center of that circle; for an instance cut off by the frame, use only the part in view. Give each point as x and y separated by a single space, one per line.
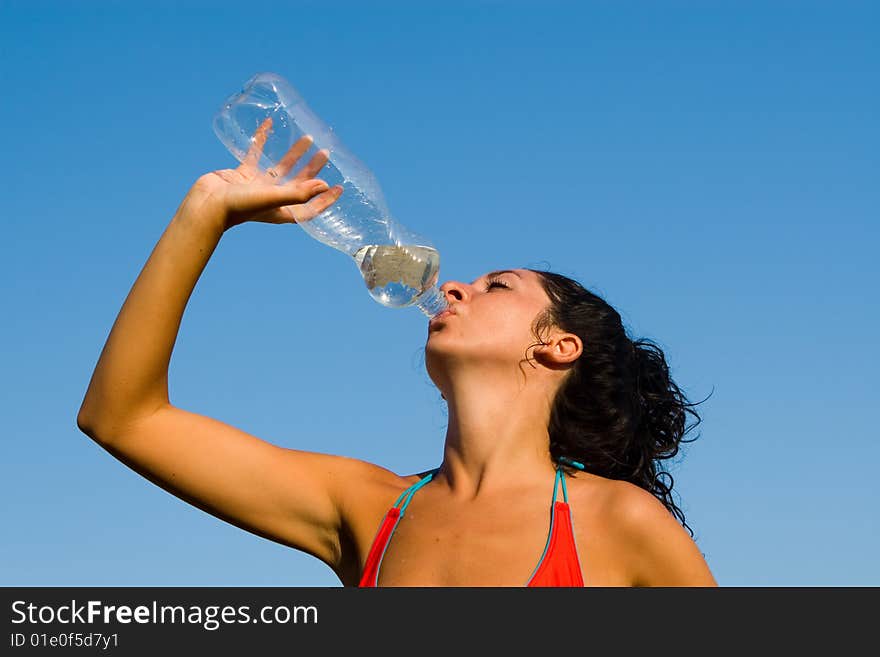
376 478
637 511
611 496
363 487
657 549
362 484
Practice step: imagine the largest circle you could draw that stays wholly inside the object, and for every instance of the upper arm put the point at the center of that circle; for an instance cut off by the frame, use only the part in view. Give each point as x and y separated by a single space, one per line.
290 496
659 549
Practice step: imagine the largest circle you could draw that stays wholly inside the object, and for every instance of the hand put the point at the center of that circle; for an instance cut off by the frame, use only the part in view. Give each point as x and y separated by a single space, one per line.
246 193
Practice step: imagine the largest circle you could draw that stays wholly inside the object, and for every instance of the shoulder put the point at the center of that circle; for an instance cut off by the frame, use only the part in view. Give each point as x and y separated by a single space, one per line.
654 546
362 482
612 497
359 490
637 512
365 491
623 508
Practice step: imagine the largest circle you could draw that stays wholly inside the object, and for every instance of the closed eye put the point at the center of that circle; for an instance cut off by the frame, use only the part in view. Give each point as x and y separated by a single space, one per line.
494 282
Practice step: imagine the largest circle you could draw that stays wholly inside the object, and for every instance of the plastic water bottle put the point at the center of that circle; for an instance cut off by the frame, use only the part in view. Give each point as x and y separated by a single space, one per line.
399 267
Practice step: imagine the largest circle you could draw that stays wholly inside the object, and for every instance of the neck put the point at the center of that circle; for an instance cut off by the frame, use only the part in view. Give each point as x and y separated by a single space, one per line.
497 434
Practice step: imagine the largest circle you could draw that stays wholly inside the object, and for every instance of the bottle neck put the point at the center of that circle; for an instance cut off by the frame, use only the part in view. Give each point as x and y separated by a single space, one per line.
432 301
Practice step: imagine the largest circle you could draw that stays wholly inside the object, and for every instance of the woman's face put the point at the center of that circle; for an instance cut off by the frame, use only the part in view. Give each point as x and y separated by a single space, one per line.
490 320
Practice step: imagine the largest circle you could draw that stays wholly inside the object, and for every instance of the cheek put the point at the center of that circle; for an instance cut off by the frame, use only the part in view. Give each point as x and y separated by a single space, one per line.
499 338
490 335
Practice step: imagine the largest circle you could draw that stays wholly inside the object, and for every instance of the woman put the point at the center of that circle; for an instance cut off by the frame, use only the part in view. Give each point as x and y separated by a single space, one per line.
556 424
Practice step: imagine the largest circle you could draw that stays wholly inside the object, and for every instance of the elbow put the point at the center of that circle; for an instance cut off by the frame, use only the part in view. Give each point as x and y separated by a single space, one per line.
104 429
95 427
85 424
86 417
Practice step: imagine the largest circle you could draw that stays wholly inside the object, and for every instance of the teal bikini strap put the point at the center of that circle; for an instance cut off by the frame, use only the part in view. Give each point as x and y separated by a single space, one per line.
560 476
409 492
575 464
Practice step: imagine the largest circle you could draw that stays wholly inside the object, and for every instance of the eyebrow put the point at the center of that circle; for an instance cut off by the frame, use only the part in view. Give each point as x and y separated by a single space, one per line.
492 274
502 271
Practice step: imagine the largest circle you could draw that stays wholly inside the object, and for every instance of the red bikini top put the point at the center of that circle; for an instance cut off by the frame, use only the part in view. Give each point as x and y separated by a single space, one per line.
559 565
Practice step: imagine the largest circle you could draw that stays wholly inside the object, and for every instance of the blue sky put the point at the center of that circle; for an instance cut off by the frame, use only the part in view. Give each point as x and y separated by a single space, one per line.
710 168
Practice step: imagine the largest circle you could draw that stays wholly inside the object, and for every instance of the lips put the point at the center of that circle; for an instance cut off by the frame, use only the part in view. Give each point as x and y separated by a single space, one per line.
444 314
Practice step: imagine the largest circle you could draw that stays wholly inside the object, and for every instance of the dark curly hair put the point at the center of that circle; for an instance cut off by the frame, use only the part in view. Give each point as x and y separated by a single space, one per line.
618 412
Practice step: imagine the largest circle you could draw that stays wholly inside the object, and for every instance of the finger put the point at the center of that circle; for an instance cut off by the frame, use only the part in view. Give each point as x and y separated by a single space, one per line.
257 142
268 197
315 206
292 156
310 170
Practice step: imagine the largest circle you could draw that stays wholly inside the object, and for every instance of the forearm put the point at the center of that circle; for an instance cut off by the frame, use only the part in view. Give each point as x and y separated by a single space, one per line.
131 376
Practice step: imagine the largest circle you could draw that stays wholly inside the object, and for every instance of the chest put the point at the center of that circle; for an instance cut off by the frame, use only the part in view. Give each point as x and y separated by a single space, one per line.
502 544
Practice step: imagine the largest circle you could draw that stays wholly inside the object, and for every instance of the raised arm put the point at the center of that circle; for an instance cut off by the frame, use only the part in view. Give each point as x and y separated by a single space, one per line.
131 377
289 496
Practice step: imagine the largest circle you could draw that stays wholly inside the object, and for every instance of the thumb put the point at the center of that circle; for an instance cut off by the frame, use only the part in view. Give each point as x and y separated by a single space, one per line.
296 191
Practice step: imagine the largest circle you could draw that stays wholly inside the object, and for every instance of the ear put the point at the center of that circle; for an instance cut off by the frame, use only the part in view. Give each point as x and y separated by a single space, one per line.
561 349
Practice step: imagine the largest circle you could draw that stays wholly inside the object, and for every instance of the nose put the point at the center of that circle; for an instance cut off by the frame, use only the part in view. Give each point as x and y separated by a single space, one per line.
454 291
